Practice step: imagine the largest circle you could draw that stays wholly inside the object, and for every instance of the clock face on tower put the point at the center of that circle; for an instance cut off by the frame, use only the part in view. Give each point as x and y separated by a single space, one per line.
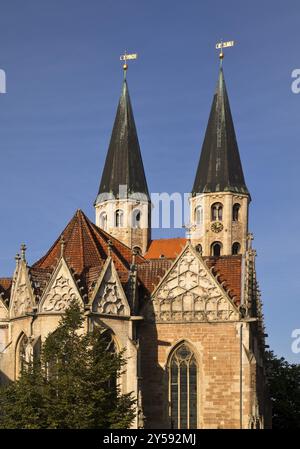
217 226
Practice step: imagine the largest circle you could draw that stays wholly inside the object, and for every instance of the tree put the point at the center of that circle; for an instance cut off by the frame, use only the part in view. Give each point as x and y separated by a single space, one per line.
284 382
74 384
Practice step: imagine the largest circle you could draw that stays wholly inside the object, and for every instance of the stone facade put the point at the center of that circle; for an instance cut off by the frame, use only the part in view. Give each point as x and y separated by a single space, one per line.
205 231
132 226
187 312
189 304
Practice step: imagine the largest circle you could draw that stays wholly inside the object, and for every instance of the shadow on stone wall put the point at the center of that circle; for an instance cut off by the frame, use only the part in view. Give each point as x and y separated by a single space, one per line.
154 382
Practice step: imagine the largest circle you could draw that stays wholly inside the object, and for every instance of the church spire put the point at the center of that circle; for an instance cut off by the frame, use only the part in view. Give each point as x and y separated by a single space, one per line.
220 199
220 168
123 165
122 206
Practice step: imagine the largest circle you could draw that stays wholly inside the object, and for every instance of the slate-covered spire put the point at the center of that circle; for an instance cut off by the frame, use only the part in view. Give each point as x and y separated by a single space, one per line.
123 165
220 167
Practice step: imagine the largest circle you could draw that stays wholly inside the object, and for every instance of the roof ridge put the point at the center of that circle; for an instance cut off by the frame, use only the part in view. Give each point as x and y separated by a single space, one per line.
87 224
81 221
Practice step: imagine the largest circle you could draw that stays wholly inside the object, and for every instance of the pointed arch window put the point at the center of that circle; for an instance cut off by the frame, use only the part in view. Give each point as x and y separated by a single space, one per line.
216 249
103 221
217 212
136 218
119 218
199 215
111 347
109 340
24 354
235 212
183 376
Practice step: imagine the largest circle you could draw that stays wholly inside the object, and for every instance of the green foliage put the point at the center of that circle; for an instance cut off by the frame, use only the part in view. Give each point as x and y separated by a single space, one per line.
75 385
284 381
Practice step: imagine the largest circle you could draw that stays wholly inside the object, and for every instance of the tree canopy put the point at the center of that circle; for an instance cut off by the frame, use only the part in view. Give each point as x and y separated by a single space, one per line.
74 384
284 383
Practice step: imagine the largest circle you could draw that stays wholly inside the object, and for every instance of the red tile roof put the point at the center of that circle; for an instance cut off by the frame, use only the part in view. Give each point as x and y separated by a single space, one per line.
229 269
150 272
5 288
86 248
5 283
168 248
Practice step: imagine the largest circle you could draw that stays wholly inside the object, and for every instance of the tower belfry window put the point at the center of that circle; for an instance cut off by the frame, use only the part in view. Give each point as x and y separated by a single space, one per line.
103 221
136 218
216 249
236 248
199 215
217 212
235 212
119 222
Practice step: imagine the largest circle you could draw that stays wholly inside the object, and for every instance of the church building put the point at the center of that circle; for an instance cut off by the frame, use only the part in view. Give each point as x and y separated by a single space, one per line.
187 311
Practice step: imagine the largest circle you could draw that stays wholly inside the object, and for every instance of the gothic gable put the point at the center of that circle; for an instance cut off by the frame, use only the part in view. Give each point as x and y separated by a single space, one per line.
22 298
190 292
109 297
60 291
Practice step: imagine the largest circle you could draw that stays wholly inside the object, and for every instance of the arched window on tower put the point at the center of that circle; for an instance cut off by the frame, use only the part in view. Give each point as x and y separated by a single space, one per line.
103 221
236 248
216 248
137 250
217 212
198 216
183 377
119 218
235 212
136 218
199 248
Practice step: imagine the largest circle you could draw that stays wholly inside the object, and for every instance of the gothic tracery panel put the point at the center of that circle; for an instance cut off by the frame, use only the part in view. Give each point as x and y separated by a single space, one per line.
60 295
22 299
189 293
110 298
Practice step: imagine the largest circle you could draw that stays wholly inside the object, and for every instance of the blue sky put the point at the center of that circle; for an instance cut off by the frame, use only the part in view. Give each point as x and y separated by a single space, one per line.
63 83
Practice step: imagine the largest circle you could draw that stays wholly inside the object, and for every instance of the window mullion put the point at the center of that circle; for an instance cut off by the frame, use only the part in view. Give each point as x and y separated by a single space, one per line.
179 390
188 395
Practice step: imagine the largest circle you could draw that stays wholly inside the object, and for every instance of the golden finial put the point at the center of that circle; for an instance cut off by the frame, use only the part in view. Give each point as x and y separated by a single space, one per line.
221 45
125 58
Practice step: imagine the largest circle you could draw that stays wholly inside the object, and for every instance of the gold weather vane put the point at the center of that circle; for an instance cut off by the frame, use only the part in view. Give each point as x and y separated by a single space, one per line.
221 45
125 58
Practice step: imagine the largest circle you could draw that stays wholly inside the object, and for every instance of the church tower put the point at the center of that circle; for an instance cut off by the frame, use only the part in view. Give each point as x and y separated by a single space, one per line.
220 199
123 205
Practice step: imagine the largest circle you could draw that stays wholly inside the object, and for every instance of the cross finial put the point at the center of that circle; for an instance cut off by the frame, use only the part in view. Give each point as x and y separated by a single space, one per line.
23 251
17 258
221 45
125 58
